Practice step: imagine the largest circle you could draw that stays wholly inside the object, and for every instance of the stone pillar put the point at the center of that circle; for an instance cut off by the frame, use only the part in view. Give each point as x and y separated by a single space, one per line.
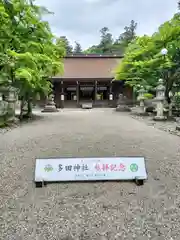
11 99
160 98
50 105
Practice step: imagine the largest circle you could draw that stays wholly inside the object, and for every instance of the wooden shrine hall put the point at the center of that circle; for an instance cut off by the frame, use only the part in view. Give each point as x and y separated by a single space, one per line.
88 79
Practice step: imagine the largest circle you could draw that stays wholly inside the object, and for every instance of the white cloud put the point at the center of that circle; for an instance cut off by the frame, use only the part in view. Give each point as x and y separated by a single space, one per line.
81 20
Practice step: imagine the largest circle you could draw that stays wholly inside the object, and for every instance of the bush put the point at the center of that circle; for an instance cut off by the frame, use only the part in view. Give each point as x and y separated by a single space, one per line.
148 96
177 101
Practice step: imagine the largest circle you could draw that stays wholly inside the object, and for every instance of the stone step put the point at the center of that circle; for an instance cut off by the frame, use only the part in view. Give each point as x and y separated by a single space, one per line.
86 106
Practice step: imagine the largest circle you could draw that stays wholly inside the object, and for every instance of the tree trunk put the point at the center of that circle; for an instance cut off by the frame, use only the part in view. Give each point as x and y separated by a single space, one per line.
29 112
21 109
170 111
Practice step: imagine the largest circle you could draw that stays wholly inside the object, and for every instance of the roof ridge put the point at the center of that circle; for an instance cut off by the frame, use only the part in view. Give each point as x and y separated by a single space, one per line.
94 56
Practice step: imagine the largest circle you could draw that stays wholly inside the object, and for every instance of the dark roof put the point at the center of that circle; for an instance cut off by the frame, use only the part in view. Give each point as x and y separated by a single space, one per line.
91 67
93 56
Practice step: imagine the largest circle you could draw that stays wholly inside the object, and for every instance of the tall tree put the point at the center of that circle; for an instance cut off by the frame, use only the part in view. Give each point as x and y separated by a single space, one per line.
143 63
128 35
105 45
108 46
65 42
77 48
106 40
28 54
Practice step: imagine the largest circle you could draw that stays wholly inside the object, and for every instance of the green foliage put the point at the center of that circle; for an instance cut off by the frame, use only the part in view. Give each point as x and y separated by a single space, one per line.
106 40
177 100
148 96
128 35
29 55
143 63
63 41
77 48
108 46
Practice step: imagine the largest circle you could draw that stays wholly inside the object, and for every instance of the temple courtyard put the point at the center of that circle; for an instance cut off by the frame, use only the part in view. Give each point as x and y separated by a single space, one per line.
87 211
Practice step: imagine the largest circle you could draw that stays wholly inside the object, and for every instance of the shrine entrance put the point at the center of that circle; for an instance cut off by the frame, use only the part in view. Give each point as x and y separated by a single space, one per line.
86 93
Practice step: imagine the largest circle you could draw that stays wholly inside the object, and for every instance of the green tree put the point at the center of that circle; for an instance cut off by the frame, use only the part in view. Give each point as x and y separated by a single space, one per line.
28 54
143 63
95 49
66 44
128 35
108 46
105 45
77 48
106 40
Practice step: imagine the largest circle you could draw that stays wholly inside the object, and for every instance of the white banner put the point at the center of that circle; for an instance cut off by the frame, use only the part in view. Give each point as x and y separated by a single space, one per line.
92 169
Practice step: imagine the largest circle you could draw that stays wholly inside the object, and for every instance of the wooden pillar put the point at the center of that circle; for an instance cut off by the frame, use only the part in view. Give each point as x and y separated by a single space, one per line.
77 92
111 96
62 94
57 96
95 91
110 88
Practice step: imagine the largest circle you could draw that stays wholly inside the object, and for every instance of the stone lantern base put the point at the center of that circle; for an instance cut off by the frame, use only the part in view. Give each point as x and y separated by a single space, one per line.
139 111
122 108
50 106
160 118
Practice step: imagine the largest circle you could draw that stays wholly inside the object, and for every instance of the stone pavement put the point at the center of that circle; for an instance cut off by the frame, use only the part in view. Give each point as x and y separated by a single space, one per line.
90 211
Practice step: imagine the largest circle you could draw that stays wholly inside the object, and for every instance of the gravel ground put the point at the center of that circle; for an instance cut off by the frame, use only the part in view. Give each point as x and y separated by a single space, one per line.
87 211
167 126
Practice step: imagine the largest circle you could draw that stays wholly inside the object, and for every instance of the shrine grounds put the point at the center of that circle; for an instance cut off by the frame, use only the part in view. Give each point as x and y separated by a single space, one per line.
87 211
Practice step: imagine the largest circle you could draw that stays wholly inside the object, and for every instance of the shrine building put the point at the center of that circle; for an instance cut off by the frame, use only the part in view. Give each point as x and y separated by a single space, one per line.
89 79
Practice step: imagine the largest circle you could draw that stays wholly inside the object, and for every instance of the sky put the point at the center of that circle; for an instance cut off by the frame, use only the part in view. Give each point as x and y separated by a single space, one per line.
81 20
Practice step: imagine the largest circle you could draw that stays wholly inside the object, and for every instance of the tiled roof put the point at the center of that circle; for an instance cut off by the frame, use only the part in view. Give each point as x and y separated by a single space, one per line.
90 66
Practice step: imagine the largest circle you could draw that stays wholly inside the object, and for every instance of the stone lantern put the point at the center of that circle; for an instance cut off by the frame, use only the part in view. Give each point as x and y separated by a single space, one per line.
122 104
50 105
160 98
160 90
1 97
141 97
1 105
3 110
11 99
140 110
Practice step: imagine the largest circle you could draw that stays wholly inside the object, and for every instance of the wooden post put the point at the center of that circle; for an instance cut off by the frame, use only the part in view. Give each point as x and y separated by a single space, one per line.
95 91
110 88
62 94
111 96
77 92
